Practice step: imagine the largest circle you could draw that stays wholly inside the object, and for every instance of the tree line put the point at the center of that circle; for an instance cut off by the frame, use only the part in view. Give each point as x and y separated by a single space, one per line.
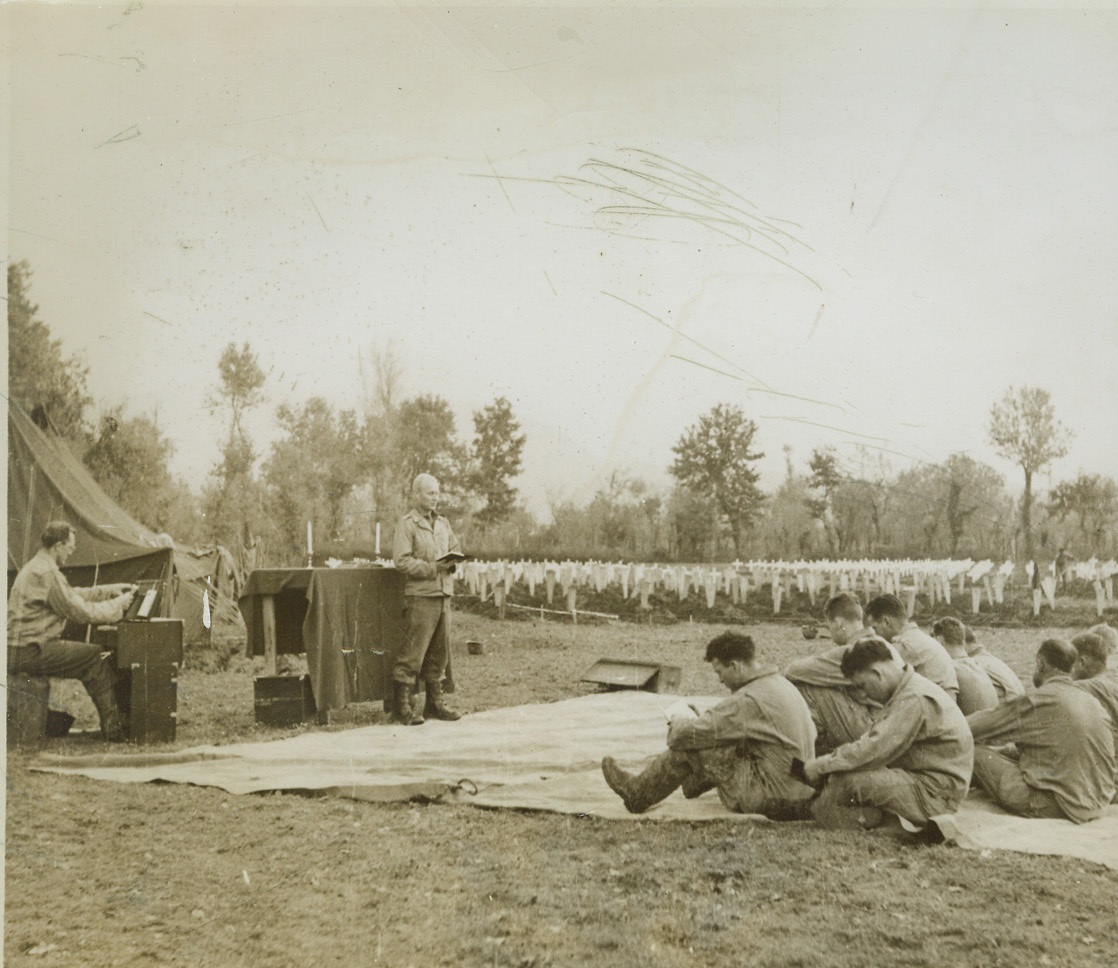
342 470
349 470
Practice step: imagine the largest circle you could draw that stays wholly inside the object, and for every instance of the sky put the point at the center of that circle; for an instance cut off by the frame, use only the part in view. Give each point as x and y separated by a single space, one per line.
861 227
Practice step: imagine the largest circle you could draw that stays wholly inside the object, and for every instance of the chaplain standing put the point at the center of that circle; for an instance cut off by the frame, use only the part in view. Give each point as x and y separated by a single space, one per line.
421 544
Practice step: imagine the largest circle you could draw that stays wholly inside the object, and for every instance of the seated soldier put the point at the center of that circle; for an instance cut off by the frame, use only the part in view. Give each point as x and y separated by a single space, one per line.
976 688
1091 675
840 710
40 604
1006 682
1109 636
887 616
1063 761
743 747
914 762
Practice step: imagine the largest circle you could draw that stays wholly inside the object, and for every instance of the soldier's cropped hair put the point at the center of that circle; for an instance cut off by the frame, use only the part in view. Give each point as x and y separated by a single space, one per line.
951 630
844 606
730 647
1108 634
865 653
886 606
1058 653
1092 651
56 533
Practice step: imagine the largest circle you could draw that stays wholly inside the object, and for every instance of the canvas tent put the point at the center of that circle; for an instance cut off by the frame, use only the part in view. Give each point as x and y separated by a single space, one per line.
46 481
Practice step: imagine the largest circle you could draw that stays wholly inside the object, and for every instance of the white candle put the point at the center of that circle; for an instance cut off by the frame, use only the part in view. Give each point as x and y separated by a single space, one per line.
310 546
377 549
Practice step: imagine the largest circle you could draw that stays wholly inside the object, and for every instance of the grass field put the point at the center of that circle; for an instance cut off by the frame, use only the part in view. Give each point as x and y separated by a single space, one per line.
118 874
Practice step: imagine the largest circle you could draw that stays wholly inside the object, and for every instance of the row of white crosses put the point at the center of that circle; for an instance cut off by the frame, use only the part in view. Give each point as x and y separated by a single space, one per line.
865 577
937 579
1099 573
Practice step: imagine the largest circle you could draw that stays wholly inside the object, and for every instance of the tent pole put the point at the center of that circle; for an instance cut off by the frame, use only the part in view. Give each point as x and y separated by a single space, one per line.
89 628
27 519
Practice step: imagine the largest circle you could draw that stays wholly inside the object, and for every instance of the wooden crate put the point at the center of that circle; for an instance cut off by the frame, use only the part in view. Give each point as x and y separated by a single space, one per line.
283 700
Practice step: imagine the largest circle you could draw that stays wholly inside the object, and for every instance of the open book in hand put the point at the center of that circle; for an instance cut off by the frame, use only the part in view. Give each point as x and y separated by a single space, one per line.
452 557
681 709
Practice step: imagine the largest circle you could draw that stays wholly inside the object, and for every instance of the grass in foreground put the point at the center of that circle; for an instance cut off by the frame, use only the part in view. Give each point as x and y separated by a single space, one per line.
117 874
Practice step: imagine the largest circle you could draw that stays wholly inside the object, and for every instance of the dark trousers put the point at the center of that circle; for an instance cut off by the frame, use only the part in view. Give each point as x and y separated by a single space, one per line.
59 659
1000 777
757 782
427 646
838 717
906 794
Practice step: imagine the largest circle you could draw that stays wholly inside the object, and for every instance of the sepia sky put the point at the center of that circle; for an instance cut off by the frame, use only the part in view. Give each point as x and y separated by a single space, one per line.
860 226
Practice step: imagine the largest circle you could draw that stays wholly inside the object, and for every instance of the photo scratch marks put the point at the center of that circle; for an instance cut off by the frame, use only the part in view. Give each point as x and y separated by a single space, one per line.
815 322
814 423
504 191
128 60
641 195
653 196
267 117
128 134
694 342
318 213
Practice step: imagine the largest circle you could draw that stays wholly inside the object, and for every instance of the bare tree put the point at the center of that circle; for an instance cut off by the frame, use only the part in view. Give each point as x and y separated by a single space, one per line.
241 388
387 378
231 503
379 432
1024 429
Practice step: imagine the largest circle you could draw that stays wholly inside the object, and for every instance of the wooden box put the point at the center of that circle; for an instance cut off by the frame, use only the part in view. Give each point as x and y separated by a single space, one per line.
147 696
614 674
283 700
28 702
157 642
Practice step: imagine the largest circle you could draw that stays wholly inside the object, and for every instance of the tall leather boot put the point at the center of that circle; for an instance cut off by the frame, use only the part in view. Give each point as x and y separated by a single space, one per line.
639 792
695 786
435 708
112 727
402 711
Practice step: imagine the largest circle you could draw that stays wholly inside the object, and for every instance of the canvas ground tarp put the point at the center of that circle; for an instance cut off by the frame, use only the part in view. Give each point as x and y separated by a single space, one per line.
46 481
533 757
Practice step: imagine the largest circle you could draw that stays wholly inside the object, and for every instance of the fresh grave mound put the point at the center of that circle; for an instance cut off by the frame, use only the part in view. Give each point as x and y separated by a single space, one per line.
535 757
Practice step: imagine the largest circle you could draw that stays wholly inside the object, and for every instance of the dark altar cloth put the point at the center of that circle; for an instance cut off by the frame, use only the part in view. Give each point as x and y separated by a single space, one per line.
326 613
